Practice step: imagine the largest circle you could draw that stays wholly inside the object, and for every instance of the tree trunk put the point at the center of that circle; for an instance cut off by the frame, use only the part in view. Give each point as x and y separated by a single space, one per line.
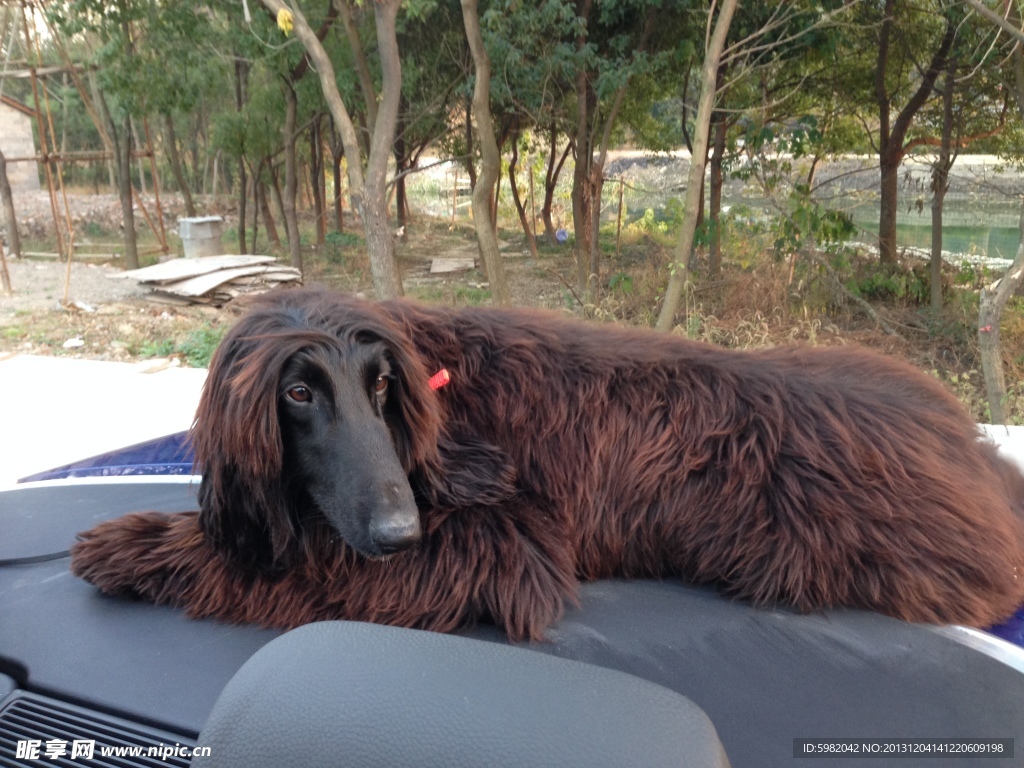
531 241
195 131
256 206
551 182
268 217
5 276
131 249
582 213
241 76
401 165
336 157
10 217
367 196
470 163
175 160
715 204
139 160
993 299
359 60
490 165
940 184
111 161
889 163
243 205
291 220
379 239
123 168
892 134
496 197
694 187
316 177
275 192
595 184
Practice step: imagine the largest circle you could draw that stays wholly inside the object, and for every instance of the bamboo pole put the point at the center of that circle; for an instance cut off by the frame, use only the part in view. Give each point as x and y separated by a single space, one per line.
618 227
455 195
156 186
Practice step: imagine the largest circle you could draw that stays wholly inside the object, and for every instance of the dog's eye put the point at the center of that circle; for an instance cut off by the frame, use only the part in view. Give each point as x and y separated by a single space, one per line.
381 385
300 394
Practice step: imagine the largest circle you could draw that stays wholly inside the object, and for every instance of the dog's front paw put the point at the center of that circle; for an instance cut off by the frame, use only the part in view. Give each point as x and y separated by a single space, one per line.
146 555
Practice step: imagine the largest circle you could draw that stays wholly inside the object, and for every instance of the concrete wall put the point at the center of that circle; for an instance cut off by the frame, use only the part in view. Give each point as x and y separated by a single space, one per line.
16 141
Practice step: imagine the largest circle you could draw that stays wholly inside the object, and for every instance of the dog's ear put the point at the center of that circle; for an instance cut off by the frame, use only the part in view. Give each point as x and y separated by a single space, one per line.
447 464
471 472
250 525
238 445
412 412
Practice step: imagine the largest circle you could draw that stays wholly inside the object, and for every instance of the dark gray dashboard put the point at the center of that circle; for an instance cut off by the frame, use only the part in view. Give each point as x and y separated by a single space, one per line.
763 677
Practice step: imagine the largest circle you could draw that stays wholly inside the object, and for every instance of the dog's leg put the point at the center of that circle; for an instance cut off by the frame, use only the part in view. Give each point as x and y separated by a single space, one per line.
470 566
148 555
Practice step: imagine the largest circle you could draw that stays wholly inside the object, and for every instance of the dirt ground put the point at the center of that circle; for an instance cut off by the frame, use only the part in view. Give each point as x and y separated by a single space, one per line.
108 317
105 319
111 319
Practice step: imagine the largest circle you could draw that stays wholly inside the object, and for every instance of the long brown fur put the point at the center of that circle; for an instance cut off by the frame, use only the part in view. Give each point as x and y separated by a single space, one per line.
564 451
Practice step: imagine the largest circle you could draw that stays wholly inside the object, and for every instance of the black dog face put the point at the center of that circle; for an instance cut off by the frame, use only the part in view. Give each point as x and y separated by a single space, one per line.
317 424
335 407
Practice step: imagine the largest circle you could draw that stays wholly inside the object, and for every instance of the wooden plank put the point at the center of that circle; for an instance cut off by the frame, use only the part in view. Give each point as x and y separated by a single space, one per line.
201 284
444 266
180 269
159 297
77 257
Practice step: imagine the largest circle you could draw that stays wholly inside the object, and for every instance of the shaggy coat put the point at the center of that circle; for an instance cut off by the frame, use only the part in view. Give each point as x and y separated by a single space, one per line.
563 451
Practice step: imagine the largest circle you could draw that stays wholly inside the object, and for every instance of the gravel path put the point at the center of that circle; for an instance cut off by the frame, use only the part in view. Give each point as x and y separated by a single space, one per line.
39 285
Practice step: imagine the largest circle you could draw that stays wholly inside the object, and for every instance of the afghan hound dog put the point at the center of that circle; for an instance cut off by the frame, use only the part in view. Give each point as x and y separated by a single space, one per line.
340 481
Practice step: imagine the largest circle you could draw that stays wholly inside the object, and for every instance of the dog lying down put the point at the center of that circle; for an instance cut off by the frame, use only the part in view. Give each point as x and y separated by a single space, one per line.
341 480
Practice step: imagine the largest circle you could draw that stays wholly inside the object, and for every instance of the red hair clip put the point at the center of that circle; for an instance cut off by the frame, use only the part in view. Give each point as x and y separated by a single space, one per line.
439 379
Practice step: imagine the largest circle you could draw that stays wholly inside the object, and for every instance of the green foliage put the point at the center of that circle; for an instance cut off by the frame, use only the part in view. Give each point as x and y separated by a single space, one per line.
662 223
198 346
887 283
135 41
472 296
648 223
770 157
344 239
92 229
621 282
195 349
457 295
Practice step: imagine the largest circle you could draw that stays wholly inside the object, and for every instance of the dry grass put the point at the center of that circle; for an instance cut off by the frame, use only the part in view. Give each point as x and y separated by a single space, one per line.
756 301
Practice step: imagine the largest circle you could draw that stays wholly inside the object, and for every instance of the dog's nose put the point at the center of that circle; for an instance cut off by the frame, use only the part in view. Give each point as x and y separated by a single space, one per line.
395 534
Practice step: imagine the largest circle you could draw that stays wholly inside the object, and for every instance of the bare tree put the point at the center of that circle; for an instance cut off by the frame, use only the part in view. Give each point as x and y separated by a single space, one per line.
10 218
291 219
695 187
940 184
892 133
13 243
174 157
994 297
367 193
490 165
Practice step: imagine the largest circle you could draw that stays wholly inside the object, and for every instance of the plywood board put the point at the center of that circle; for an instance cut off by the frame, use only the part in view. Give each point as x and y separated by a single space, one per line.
200 284
180 269
443 266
